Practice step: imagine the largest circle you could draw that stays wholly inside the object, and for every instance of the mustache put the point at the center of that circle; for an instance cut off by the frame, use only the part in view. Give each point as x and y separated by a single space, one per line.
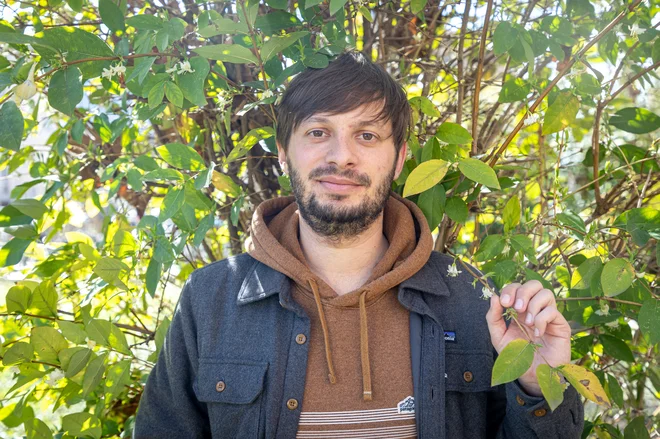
349 174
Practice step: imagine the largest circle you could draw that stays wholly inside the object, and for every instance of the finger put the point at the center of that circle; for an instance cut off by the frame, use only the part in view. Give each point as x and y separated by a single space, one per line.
495 320
508 294
547 316
525 293
537 303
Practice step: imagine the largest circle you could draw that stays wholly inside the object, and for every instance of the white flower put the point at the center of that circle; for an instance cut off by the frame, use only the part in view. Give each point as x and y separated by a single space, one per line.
54 377
634 30
640 275
532 118
486 293
15 369
171 69
27 89
452 271
604 309
614 324
184 67
506 249
90 343
120 69
107 73
267 94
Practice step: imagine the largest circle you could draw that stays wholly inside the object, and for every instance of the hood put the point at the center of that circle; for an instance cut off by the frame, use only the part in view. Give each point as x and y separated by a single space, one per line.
275 242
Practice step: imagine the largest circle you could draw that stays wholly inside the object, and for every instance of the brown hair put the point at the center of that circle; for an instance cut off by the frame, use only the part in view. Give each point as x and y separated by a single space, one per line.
346 84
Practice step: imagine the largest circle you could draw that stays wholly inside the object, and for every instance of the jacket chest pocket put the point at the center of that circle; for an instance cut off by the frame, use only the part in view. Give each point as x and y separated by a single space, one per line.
233 394
468 371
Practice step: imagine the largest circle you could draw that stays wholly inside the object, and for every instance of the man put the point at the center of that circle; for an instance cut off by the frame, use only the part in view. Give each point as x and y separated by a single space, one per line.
340 321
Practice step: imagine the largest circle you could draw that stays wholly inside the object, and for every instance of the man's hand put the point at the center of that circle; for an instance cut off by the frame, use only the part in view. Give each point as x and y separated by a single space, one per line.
538 313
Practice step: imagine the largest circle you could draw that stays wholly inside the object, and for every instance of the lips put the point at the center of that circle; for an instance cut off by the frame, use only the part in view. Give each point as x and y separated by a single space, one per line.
338 181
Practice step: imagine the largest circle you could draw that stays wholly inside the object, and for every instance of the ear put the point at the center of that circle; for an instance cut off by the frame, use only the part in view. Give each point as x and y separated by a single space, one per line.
281 156
401 160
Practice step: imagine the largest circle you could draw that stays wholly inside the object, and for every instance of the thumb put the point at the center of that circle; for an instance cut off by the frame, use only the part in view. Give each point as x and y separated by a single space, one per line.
496 324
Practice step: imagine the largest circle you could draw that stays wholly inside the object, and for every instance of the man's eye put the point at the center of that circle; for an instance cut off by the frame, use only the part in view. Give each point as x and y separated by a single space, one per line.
368 136
316 133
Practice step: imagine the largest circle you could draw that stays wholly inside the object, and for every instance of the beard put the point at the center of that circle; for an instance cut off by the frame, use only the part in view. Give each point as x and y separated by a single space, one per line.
336 223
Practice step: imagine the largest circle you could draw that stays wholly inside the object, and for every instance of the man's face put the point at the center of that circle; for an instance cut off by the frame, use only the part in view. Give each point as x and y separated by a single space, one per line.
341 168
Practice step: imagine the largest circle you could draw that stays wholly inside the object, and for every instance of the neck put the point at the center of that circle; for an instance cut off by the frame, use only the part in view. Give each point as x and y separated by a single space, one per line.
344 265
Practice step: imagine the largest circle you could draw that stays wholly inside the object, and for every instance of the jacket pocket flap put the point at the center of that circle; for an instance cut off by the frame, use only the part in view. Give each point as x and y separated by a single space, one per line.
468 371
236 382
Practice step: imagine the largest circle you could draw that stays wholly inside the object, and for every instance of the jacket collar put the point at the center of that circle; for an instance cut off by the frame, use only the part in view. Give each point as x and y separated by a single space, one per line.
263 281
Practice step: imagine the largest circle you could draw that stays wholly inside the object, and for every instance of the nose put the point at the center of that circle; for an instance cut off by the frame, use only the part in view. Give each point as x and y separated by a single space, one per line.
342 151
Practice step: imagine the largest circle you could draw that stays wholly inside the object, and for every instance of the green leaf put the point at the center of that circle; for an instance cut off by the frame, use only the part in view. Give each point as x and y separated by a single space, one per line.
514 360
491 246
74 360
107 334
649 320
77 44
511 213
425 176
18 353
223 26
366 13
111 15
32 208
588 85
618 274
551 386
656 50
18 299
65 90
44 300
336 6
225 184
109 269
74 332
47 343
432 204
11 126
514 90
614 391
232 53
636 429
453 133
118 376
457 209
425 105
82 425
174 94
585 273
504 37
478 171
153 276
171 203
37 429
575 224
635 120
585 382
316 61
145 22
156 95
250 139
12 252
192 84
616 348
417 6
93 374
123 244
561 113
181 156
277 44
276 21
17 38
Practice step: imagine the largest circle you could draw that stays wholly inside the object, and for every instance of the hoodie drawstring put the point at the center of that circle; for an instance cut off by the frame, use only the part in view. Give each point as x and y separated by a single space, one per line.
364 341
324 326
364 349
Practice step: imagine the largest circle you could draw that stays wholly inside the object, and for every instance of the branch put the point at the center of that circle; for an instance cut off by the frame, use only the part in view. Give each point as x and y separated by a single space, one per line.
477 85
461 81
496 154
630 81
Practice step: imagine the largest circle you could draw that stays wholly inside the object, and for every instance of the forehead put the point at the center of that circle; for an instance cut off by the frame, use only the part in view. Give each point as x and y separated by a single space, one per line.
364 115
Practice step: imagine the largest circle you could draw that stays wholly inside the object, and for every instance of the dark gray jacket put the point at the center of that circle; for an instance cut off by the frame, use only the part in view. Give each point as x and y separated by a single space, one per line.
231 367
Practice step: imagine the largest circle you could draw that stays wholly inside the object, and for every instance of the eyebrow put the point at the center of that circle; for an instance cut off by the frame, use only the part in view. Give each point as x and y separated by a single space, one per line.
359 124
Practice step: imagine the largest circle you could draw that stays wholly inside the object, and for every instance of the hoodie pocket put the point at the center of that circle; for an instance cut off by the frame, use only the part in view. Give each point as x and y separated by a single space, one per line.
233 393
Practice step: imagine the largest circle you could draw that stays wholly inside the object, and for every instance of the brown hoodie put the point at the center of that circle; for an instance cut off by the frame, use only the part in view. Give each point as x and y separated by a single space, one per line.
351 332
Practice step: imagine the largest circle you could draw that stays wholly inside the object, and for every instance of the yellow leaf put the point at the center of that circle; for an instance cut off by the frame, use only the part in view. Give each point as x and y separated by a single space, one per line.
225 184
425 176
586 383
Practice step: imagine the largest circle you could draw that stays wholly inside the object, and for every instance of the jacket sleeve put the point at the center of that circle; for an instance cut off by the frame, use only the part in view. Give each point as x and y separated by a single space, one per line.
168 406
512 413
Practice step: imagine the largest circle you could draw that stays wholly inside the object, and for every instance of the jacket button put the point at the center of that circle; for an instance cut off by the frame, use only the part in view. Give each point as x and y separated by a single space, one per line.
467 376
292 404
520 400
540 412
220 386
301 339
